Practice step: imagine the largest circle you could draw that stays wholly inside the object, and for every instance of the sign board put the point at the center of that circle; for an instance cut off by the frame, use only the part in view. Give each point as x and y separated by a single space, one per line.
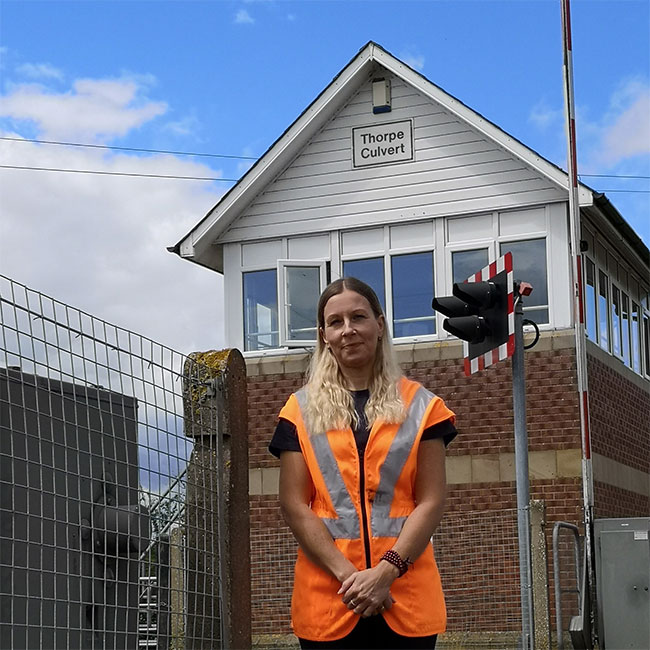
382 144
478 357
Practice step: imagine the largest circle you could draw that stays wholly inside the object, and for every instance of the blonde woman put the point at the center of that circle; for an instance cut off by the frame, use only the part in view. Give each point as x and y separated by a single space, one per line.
362 485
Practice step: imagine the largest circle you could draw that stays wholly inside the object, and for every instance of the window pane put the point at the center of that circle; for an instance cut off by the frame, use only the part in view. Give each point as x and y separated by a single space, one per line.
260 310
616 321
625 328
466 263
412 277
529 265
590 301
636 338
371 272
603 310
646 341
303 289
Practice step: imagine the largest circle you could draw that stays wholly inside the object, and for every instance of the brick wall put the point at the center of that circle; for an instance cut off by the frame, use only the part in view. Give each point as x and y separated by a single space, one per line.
476 545
620 414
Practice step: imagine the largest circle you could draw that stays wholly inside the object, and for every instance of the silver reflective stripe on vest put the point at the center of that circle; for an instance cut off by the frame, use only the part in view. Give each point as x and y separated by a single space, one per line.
381 523
346 524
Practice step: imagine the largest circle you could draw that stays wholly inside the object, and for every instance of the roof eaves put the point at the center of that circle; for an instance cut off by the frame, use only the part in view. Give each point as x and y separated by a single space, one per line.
185 247
610 211
491 130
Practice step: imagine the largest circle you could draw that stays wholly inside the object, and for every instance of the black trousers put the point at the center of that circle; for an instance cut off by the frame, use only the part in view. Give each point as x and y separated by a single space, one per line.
373 633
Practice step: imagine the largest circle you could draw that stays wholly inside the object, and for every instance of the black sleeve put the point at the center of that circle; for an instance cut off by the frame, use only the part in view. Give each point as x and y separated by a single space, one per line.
445 430
285 438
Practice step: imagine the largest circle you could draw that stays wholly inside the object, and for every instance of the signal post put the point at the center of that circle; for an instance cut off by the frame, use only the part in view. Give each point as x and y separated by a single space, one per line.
486 313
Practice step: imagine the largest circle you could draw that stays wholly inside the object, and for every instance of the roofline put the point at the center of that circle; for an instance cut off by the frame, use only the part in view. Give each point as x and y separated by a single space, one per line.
194 246
177 248
618 222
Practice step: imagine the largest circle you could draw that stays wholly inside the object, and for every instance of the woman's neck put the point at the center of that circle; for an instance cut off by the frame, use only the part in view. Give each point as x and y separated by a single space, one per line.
359 380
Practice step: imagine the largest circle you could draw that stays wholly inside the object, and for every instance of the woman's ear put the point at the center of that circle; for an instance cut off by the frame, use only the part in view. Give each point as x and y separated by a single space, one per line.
321 333
381 321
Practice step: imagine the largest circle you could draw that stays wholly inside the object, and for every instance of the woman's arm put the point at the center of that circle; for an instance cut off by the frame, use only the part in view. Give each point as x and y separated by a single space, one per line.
310 532
369 588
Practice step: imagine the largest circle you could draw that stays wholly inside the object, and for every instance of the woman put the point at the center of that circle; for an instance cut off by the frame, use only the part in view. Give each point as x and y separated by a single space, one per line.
362 485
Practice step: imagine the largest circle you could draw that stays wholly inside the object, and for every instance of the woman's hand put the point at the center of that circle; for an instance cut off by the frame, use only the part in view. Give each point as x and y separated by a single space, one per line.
367 592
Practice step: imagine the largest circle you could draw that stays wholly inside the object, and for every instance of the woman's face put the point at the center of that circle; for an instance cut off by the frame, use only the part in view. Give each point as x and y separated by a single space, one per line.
351 330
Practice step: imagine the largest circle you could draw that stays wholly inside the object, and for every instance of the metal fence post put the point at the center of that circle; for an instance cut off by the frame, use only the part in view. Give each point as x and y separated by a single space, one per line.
521 472
217 501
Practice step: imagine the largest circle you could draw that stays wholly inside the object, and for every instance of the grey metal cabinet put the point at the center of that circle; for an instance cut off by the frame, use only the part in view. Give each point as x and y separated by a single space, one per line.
71 528
622 582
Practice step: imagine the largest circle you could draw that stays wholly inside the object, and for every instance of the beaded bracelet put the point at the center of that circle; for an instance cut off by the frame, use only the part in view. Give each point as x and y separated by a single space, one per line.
394 558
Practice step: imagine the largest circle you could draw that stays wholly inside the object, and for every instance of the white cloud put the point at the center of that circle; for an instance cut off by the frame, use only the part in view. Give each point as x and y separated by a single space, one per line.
99 242
94 109
543 116
627 132
416 61
188 125
39 71
242 17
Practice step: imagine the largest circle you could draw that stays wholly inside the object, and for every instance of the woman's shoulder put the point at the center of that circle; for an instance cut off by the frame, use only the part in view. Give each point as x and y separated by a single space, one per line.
409 386
296 400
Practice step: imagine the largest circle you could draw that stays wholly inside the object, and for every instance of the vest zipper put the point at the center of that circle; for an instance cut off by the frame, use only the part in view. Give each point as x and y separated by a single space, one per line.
364 514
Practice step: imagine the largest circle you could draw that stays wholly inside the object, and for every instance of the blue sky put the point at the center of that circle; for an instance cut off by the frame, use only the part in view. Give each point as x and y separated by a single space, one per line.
227 77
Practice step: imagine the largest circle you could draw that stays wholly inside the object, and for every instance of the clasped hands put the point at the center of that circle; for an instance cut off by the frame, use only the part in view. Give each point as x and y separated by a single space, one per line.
367 592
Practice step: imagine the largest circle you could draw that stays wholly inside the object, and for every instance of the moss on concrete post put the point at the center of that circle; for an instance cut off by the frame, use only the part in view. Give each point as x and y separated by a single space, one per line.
216 418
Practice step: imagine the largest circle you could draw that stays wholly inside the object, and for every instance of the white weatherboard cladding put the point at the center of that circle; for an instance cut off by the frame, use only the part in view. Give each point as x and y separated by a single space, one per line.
456 170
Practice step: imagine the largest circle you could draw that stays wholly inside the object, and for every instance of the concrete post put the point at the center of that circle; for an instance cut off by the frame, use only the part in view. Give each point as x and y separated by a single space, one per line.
217 510
176 590
539 561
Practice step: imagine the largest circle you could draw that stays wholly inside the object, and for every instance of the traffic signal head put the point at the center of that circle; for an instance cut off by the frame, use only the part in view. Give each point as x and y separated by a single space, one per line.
478 313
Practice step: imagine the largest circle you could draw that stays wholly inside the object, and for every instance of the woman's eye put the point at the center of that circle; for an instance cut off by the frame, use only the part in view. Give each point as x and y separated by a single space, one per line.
358 317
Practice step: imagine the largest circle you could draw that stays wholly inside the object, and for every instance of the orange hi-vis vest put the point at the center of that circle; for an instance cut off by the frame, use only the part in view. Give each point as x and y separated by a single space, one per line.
364 508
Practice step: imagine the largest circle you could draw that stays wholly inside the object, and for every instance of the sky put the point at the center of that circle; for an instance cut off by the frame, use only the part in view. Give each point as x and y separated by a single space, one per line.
226 78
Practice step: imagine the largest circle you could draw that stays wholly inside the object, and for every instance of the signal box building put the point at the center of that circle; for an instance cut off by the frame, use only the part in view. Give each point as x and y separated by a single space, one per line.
388 178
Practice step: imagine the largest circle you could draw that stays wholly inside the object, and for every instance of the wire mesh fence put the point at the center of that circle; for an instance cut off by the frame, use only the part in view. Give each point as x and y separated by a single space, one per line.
110 491
477 555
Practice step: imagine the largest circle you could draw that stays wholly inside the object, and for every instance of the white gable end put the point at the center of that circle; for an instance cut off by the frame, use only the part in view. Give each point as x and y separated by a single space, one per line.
455 170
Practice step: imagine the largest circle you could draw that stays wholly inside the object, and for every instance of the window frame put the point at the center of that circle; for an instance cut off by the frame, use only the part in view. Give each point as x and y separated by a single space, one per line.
390 282
386 254
283 305
244 334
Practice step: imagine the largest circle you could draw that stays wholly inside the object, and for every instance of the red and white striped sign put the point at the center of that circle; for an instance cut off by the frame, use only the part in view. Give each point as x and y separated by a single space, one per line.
472 365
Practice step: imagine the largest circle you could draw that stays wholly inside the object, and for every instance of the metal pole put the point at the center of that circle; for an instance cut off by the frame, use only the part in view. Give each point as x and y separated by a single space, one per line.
521 471
576 279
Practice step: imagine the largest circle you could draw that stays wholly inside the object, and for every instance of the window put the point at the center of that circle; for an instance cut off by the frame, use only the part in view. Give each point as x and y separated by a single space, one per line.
464 264
636 338
370 271
260 310
617 334
529 265
590 301
646 341
625 328
412 291
302 284
603 310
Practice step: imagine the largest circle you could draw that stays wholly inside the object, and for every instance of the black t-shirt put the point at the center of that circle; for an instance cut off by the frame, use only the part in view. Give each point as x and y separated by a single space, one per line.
285 437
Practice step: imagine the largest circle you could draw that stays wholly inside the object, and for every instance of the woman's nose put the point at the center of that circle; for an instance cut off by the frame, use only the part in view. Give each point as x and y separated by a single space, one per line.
348 328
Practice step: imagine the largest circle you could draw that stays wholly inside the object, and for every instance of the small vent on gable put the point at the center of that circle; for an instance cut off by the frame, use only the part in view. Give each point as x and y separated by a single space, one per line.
381 96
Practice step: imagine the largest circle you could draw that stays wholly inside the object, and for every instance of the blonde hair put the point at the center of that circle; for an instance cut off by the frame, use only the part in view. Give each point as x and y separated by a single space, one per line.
329 402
